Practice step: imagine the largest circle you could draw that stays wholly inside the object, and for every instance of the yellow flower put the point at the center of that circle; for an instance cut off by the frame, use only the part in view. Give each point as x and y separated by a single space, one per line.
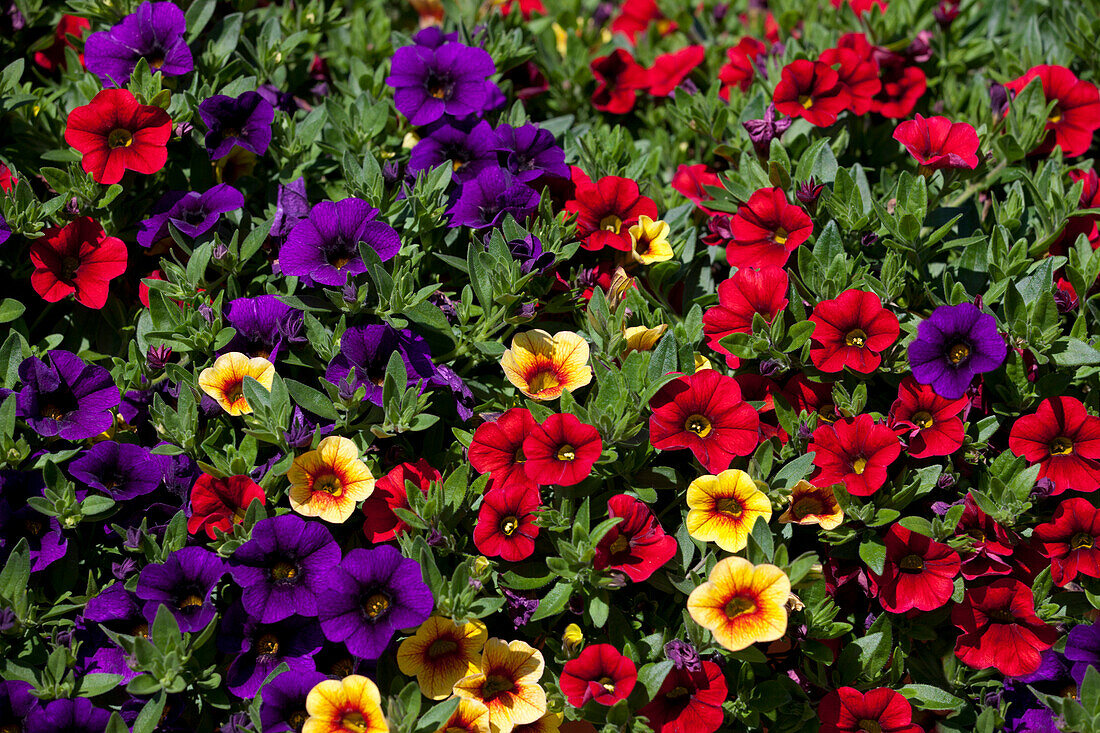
508 684
621 283
225 380
560 38
549 723
724 508
701 363
813 505
470 716
328 482
650 240
350 705
410 140
742 604
640 338
441 653
542 366
572 639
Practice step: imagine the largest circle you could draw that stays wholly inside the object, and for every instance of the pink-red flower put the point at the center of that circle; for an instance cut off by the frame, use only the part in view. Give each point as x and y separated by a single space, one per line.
69 27
847 710
855 451
742 67
636 546
766 229
562 450
691 180
1070 540
619 78
606 210
931 422
600 673
746 293
688 701
506 522
390 492
811 90
1064 439
919 572
497 448
851 331
115 134
219 503
937 142
670 69
1000 629
859 77
1076 113
77 259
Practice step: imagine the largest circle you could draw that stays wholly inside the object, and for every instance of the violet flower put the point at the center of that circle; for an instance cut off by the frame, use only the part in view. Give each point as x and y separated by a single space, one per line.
324 247
530 152
449 79
19 520
284 701
120 470
192 213
367 349
485 200
291 206
953 345
262 324
468 152
64 397
153 32
764 130
76 715
244 121
261 647
16 704
119 611
183 583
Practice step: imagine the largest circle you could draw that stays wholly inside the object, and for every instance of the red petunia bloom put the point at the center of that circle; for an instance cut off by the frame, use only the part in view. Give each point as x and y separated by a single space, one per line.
1075 117
497 448
219 503
812 90
606 210
1070 540
859 77
847 710
902 86
690 180
116 134
562 451
855 451
755 388
704 412
805 395
742 67
688 702
746 293
78 258
670 69
992 545
766 229
636 546
931 422
1000 629
851 331
859 7
506 523
1078 225
937 142
599 673
7 180
1064 439
54 57
618 77
390 492
635 17
919 572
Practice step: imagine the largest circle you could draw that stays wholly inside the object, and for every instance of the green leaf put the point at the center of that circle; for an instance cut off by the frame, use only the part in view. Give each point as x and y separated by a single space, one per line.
92 685
10 309
311 399
1071 352
931 698
653 675
873 552
554 601
437 716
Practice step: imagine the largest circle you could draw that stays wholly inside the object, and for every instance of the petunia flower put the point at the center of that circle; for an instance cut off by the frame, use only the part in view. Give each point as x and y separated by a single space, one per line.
649 241
441 653
324 246
953 345
606 209
367 350
75 715
64 397
1064 440
120 470
468 150
636 16
329 481
600 673
263 325
349 705
1070 540
390 493
851 331
858 76
761 132
991 544
811 504
688 701
561 450
692 180
619 78
1083 649
78 259
114 133
669 69
530 153
542 366
449 79
190 212
724 508
937 142
744 62
507 683
747 292
244 121
183 583
1000 629
505 524
1076 114
811 90
471 716
259 647
224 381
766 230
847 710
931 423
742 603
486 200
497 448
219 503
283 706
17 703
855 451
637 546
918 572
154 32
68 27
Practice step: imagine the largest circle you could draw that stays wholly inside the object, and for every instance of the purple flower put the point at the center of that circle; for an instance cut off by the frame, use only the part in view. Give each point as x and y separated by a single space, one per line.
952 345
449 79
261 647
324 247
278 99
262 323
1035 720
119 611
5 230
433 37
284 567
530 152
468 152
183 583
244 121
157 357
291 206
367 349
464 398
77 715
284 701
372 594
486 200
154 32
120 470
763 131
16 704
519 607
303 425
191 212
683 655
1083 649
62 396
19 520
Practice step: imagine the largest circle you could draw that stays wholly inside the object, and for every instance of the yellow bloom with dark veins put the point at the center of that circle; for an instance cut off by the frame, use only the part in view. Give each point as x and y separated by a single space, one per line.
507 684
329 481
742 603
650 241
441 653
640 338
224 381
724 508
542 366
470 716
549 723
813 505
350 705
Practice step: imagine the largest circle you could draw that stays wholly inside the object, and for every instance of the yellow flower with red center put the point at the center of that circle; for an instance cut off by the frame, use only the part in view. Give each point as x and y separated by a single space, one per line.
350 705
724 508
650 241
329 481
441 653
224 381
813 505
640 338
542 366
742 603
508 684
549 723
471 716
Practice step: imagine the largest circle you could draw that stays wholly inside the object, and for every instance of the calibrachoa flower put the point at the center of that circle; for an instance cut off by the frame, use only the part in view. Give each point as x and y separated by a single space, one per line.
1000 629
120 470
260 647
64 397
937 142
505 525
350 705
851 331
390 493
284 701
618 79
636 546
766 230
115 133
367 350
324 246
497 448
1083 649
562 451
692 180
991 544
930 422
471 716
855 451
606 209
183 583
263 326
78 259
847 710
688 700
811 504
953 345
742 603
919 572
650 241
487 199
542 366
744 64
670 69
329 481
224 381
640 338
153 32
747 292
54 57
244 121
192 213
441 653
507 683
76 715
449 79
812 90
1076 114
724 508
601 673
1070 540
1064 440
858 75
17 703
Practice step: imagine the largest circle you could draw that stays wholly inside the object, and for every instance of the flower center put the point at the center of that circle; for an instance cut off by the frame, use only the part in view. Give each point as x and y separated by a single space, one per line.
509 526
1061 446
621 544
611 223
234 391
353 721
608 684
494 685
780 236
284 571
297 720
189 601
69 266
676 692
543 380
329 483
33 527
267 645
338 260
958 353
1082 541
912 563
1055 116
738 606
440 87
155 59
923 419
807 506
729 506
1002 615
697 424
119 138
442 648
376 605
142 630
870 726
567 453
806 101
856 338
859 465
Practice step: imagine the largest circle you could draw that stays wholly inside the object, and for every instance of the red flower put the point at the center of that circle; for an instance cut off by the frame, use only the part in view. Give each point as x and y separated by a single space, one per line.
856 451
606 210
618 77
919 572
1075 117
670 69
562 451
851 331
742 66
746 293
1064 439
704 412
859 7
812 90
806 395
636 546
390 492
600 673
690 181
143 289
931 422
506 523
1078 225
755 388
766 229
1000 628
902 86
847 710
635 17
688 702
7 180
219 503
54 56
859 77
116 134
1070 540
992 544
77 258
497 448
937 142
